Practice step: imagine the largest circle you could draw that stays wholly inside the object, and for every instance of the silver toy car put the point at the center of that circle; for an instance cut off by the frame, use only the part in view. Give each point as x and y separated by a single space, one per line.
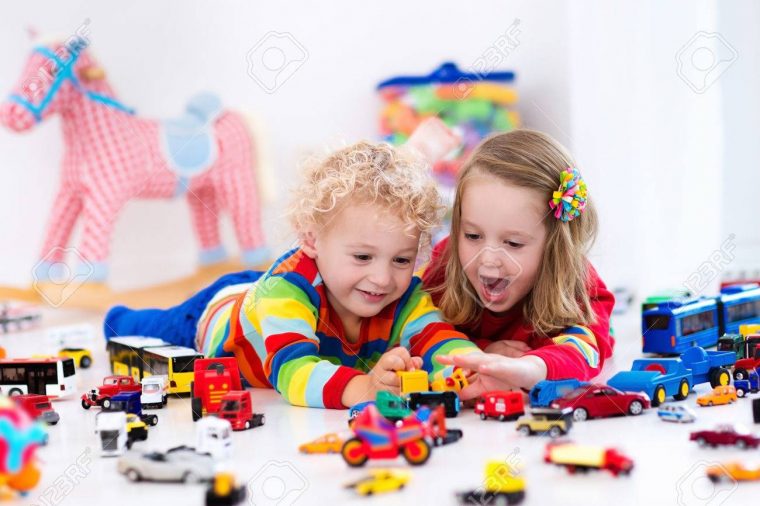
182 464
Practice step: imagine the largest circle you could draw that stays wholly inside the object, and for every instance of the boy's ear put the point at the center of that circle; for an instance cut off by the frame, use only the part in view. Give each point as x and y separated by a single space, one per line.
308 240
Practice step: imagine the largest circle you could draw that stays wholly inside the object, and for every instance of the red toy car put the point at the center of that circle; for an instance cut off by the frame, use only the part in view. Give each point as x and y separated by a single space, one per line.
501 405
236 408
591 401
112 385
37 407
212 379
725 435
378 438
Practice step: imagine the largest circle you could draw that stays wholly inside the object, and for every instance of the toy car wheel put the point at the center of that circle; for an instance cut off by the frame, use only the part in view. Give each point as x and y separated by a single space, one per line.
417 452
153 420
635 408
555 432
133 475
740 392
353 453
15 391
524 430
247 424
164 400
580 415
741 444
85 405
196 406
683 390
483 416
502 417
659 396
106 403
701 442
191 477
740 374
720 377
85 363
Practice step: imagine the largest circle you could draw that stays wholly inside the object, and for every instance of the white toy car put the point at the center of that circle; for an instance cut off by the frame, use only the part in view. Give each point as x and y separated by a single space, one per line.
155 391
214 436
181 464
675 413
111 426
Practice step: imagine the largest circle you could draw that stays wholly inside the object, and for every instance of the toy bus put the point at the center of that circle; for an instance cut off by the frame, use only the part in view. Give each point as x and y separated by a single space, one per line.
176 362
126 354
676 325
54 377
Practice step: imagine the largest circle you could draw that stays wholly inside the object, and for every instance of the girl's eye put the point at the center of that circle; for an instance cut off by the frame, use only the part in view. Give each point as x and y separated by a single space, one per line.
513 244
402 261
362 258
472 237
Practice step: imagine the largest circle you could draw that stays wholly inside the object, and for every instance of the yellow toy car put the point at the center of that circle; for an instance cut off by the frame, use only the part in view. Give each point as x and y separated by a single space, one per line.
82 357
329 443
732 471
719 395
456 382
381 481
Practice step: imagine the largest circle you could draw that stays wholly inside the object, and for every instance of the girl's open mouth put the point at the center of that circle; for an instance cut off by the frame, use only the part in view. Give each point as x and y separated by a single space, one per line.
494 289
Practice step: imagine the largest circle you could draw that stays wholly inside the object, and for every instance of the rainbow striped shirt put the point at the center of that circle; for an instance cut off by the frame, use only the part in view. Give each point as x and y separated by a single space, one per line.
285 334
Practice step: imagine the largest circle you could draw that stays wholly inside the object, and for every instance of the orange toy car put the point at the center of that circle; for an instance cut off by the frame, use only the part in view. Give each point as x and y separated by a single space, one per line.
732 471
329 443
720 395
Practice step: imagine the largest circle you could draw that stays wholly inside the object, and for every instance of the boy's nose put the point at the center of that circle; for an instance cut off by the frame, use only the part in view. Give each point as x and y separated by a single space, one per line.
380 278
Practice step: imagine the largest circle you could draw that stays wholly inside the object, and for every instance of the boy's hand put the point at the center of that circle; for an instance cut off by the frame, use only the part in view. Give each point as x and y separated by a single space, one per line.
513 349
382 377
496 372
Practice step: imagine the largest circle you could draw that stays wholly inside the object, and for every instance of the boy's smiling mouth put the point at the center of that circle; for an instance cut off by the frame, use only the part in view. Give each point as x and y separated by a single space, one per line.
372 296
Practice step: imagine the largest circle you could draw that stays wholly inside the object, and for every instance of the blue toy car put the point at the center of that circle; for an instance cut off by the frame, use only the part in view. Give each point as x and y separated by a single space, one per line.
676 414
749 385
546 391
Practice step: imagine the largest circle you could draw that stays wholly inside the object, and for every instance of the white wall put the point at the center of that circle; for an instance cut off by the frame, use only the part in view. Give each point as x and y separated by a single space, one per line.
599 76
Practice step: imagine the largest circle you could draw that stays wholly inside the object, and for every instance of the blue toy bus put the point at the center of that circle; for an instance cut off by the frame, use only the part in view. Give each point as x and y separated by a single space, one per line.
674 326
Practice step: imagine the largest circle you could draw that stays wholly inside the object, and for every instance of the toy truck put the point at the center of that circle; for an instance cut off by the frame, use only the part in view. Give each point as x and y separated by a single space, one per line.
749 385
584 458
111 427
660 378
502 485
751 360
449 400
212 379
501 405
112 385
214 436
236 408
434 422
155 391
546 391
416 390
37 407
129 402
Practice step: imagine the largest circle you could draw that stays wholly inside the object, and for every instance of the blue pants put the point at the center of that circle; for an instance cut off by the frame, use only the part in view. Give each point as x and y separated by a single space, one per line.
177 325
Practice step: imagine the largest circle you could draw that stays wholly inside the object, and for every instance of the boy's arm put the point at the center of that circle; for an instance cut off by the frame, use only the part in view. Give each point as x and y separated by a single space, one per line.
286 318
422 330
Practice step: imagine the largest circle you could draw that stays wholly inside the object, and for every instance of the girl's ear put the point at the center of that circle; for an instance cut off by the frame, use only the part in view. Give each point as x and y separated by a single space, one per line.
308 239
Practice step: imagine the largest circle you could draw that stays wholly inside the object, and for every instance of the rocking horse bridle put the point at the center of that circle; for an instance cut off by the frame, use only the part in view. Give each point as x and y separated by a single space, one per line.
65 72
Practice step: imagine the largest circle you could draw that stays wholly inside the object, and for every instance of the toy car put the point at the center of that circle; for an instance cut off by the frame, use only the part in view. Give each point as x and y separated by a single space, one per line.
329 443
154 391
381 481
111 427
223 491
137 430
214 436
378 438
181 464
456 382
718 396
675 413
37 407
732 471
749 385
112 385
546 391
501 405
129 402
18 316
236 408
725 435
82 357
596 401
356 409
449 400
554 422
583 458
502 485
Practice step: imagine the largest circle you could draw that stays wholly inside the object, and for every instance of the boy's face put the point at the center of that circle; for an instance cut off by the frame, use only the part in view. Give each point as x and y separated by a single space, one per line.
501 240
366 258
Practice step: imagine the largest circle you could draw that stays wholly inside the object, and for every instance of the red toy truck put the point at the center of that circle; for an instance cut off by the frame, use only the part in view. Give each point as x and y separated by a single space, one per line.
236 409
583 458
37 407
501 405
112 385
212 379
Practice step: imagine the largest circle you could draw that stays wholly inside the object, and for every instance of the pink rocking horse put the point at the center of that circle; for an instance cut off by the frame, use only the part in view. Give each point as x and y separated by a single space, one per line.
112 156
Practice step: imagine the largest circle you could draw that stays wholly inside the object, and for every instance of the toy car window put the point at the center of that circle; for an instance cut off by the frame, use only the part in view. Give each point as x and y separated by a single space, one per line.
110 381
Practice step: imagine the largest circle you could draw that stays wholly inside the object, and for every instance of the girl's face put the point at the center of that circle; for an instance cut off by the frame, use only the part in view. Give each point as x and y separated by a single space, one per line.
501 240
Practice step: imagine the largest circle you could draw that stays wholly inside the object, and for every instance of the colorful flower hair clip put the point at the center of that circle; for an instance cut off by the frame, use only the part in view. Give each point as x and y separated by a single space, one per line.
569 200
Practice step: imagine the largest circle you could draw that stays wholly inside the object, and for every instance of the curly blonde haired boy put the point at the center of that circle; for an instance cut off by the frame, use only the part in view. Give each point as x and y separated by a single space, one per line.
332 320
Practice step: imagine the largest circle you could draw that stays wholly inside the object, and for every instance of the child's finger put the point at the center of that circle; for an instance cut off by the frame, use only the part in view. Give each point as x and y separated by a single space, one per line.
392 362
416 362
403 353
470 361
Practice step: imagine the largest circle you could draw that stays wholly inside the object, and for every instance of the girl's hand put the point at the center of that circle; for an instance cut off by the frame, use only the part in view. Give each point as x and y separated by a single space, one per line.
507 348
497 372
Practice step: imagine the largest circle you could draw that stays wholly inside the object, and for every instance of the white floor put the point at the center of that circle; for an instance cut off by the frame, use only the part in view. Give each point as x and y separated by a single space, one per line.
669 468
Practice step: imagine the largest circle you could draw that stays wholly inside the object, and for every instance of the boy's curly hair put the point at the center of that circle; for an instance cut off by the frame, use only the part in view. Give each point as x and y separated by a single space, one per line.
368 172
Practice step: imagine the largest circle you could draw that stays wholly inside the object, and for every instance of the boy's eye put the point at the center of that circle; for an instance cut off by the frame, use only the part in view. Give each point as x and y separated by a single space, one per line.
402 260
362 258
472 237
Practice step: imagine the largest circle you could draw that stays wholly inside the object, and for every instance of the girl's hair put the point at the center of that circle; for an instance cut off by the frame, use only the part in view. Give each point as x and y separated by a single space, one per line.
559 298
368 173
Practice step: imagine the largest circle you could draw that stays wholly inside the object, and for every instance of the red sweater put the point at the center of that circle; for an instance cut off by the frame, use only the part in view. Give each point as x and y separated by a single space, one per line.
577 352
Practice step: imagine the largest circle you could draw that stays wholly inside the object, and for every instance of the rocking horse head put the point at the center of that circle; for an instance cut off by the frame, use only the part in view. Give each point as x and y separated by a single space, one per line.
56 77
